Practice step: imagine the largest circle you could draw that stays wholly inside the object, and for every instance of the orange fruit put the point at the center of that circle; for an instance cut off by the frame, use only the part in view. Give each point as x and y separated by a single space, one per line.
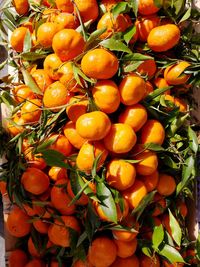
60 198
192 255
59 232
174 74
51 65
57 173
150 181
147 7
132 89
65 5
106 96
135 116
78 105
99 64
66 20
72 135
45 33
17 38
67 44
88 9
128 262
55 96
66 77
109 3
175 264
166 184
61 144
31 110
87 154
120 139
83 199
148 67
159 205
49 14
148 162
98 252
35 181
126 249
3 187
166 223
33 250
17 258
163 38
146 261
34 160
152 132
149 89
41 227
120 174
93 126
182 207
81 263
32 209
181 104
35 263
161 83
41 78
145 25
22 92
21 6
112 24
135 193
17 223
127 235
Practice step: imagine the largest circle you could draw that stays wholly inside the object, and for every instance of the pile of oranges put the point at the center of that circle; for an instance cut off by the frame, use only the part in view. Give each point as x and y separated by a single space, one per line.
93 186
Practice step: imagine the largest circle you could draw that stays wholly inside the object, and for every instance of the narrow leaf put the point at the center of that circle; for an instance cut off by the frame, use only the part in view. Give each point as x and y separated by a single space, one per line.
158 236
186 15
129 33
30 82
193 140
115 45
171 254
175 228
27 42
135 57
121 7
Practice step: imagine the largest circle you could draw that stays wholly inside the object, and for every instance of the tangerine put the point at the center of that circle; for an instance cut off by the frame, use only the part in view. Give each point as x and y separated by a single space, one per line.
66 20
21 6
147 7
22 92
65 5
61 144
128 262
152 132
41 78
45 33
145 25
51 66
88 9
17 38
150 181
166 184
17 258
31 110
174 74
78 105
126 249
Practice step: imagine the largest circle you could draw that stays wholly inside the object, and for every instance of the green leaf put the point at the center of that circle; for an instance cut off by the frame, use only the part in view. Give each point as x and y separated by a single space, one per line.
45 144
171 254
132 161
168 161
30 82
93 38
107 202
77 72
175 228
158 236
95 165
179 5
129 33
27 42
158 3
186 15
115 45
177 123
156 93
54 158
147 251
7 99
121 7
32 56
86 189
136 57
132 66
193 141
154 147
134 5
143 204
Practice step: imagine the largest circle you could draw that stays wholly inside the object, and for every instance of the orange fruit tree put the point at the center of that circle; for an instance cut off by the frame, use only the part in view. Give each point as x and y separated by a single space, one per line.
101 155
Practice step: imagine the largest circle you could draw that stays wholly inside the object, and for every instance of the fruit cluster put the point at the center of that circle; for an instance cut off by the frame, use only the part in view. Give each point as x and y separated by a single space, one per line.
101 157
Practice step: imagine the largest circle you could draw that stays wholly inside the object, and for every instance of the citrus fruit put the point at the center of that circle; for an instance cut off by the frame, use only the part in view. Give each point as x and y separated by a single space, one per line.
152 132
145 25
128 262
126 249
77 106
61 144
174 74
66 20
148 162
88 9
146 261
45 34
41 78
150 181
166 184
17 258
51 66
21 6
17 38
148 68
147 7
65 5
22 92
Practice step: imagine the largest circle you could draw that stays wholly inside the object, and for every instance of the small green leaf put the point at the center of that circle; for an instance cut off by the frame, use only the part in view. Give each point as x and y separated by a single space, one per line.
95 165
193 141
136 57
27 42
156 93
132 66
45 144
134 5
158 236
154 147
186 15
147 251
121 7
132 161
171 254
129 33
32 56
115 45
54 158
77 72
7 99
158 3
93 38
175 228
107 203
30 82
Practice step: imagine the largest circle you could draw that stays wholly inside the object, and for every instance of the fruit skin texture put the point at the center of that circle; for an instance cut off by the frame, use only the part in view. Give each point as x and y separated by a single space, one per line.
174 73
87 154
135 116
66 20
152 132
177 102
166 185
88 9
41 227
68 44
126 249
135 193
106 96
99 64
17 258
41 78
65 5
145 25
120 174
17 223
45 34
132 89
17 38
146 261
55 96
102 252
21 6
35 181
78 105
147 7
59 233
163 38
93 126
31 110
51 65
22 92
120 139
150 181
72 135
61 144
148 163
128 262
148 67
